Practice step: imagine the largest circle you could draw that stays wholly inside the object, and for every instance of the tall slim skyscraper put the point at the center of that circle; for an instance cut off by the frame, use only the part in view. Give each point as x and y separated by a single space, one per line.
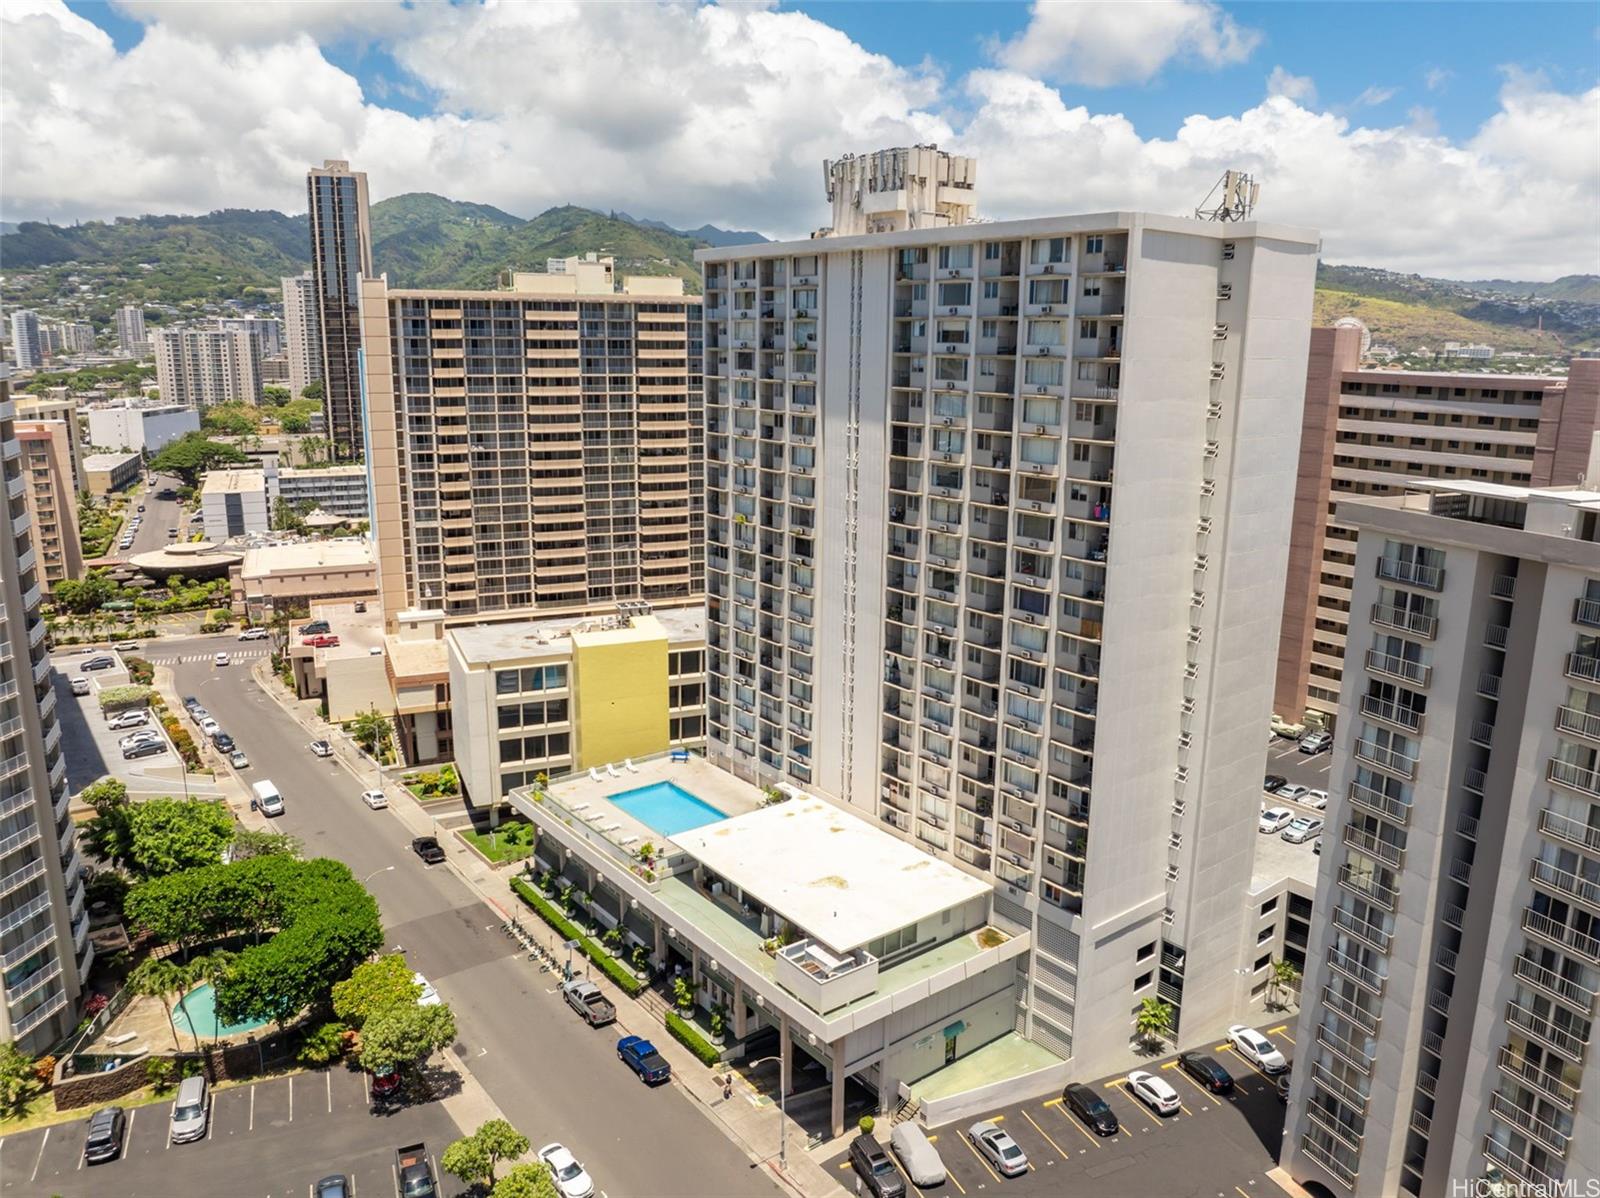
27 342
131 337
997 516
1451 981
44 930
341 252
302 331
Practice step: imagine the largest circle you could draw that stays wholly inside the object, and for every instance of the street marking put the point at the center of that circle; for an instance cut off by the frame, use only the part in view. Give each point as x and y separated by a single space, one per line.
1195 1084
1064 1153
252 1126
1240 1192
1282 1027
1287 1037
978 1156
291 1098
40 1158
1062 1111
329 1076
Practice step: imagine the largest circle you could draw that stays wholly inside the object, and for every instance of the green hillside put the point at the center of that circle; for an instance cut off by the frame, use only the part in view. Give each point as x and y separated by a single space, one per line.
1409 326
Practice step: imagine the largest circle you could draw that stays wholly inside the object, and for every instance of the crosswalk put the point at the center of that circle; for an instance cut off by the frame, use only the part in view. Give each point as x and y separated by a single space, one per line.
190 658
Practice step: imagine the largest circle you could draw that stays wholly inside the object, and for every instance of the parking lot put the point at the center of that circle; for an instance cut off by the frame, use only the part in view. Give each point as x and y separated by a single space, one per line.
1215 1147
273 1138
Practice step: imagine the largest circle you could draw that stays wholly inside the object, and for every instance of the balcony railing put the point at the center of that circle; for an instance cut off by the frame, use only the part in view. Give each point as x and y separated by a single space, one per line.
1345 1050
1388 759
1401 618
1346 1135
1551 982
1562 934
1577 777
1337 1086
1361 974
1563 1040
1375 801
1326 1158
1361 929
1583 667
1580 888
1552 1087
1519 1170
1368 887
1586 612
1391 713
1578 722
1411 573
1551 1137
1385 851
1563 827
1398 667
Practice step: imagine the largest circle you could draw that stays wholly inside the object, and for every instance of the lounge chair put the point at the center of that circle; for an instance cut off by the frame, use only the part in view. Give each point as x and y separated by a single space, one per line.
594 817
613 770
629 766
594 775
582 806
627 840
680 756
612 828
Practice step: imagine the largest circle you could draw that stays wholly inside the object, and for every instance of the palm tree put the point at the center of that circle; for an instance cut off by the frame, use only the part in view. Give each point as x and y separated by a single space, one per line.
210 968
161 978
1152 1022
1284 979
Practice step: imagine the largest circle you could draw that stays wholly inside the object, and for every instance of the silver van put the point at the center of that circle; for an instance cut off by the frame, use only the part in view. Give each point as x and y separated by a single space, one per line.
191 1111
917 1156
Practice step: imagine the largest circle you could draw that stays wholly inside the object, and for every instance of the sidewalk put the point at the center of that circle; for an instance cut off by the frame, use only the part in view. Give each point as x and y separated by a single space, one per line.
751 1120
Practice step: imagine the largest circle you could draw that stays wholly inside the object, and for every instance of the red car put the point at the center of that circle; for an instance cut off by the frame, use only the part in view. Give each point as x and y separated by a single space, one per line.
322 640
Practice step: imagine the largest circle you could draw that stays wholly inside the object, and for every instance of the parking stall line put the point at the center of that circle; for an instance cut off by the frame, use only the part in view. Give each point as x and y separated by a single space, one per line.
1207 1093
1072 1119
329 1076
1116 1088
38 1160
1065 1155
291 1098
252 1125
978 1156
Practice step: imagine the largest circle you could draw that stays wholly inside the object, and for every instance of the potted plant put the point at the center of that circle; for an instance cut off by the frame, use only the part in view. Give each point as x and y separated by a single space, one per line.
641 960
612 940
719 1024
683 994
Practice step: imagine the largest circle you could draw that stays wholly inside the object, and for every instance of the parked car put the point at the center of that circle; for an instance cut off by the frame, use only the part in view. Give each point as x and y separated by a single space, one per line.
1302 829
641 1056
429 996
428 849
413 1171
254 634
149 748
570 1178
1004 1153
80 686
1275 819
221 659
1154 1092
385 1084
190 1111
876 1170
917 1155
190 702
1206 1071
1087 1105
103 1140
210 726
99 663
128 719
1271 783
223 742
315 626
320 748
585 998
1316 798
1316 742
1287 728
323 640
1256 1048
1293 791
198 713
335 1185
375 799
139 738
238 760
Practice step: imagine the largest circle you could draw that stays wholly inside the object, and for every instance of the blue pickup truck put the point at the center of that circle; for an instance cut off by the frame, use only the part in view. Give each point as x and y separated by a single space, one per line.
641 1056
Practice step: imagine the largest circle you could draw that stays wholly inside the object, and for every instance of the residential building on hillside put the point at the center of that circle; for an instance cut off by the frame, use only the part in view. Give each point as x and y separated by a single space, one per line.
44 929
141 426
131 336
341 253
234 503
302 332
200 367
47 463
996 515
27 349
1375 432
537 449
1449 997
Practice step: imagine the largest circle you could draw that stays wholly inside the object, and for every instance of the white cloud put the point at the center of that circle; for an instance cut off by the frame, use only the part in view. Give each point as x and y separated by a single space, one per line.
1100 44
724 114
230 23
1434 78
1372 96
1296 87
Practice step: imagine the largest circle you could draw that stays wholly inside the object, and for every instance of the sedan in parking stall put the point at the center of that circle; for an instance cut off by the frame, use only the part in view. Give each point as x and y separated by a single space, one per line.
1302 829
1271 783
1154 1093
1315 798
1275 819
1087 1105
103 1141
80 686
1206 1071
149 748
1294 792
1001 1151
1256 1048
99 663
128 719
138 738
1316 742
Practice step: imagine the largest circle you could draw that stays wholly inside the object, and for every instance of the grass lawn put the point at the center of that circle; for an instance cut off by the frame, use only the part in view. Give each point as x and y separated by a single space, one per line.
512 842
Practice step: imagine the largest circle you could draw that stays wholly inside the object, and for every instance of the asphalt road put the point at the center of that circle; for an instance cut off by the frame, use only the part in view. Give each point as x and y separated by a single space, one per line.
159 515
554 1078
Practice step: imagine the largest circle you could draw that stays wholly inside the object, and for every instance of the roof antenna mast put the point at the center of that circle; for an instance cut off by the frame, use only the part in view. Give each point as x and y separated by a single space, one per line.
1240 191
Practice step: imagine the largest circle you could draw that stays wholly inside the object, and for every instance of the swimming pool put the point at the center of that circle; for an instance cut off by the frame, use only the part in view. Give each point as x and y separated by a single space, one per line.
667 808
197 1012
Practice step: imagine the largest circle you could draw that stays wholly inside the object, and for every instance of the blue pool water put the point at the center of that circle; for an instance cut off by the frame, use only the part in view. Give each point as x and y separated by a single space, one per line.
197 1012
667 808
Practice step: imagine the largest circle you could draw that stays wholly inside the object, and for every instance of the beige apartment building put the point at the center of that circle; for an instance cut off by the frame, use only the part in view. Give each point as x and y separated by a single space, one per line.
1375 432
536 449
200 367
52 498
63 408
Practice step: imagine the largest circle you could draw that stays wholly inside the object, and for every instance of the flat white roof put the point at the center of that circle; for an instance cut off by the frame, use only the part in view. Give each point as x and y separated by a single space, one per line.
350 553
490 644
830 873
223 482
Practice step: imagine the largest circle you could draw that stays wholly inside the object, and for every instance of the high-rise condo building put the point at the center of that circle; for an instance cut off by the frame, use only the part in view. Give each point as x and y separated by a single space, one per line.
47 473
44 930
200 367
997 518
302 332
1375 432
341 253
1449 998
267 331
27 344
131 337
537 449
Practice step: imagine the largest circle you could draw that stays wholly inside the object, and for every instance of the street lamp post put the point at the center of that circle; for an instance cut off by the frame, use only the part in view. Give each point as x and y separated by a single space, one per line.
375 873
783 1112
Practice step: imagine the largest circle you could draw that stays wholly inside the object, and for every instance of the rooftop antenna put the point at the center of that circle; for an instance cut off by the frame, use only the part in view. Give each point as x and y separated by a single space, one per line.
1240 191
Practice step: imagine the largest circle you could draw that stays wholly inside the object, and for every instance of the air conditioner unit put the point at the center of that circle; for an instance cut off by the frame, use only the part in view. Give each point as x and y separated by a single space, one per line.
947 420
1039 428
1042 390
1224 291
952 311
1049 269
1220 330
1227 251
1045 350
1217 370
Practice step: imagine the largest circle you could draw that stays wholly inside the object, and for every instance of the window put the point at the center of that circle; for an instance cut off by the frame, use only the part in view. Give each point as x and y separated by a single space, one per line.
1094 245
1143 980
1269 906
1265 934
1091 287
991 251
1146 952
991 289
1263 962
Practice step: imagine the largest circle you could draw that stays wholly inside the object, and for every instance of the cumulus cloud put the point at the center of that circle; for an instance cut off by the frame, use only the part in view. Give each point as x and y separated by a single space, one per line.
724 113
1100 44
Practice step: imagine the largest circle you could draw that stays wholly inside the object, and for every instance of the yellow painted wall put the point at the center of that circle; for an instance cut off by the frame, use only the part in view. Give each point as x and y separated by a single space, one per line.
620 693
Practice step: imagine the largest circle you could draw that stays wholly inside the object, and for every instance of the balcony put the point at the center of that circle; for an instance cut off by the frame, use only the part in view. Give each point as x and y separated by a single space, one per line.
1375 801
1517 1168
1368 888
1573 831
1563 1040
1410 573
1337 1086
1368 933
1586 612
1388 759
823 980
1583 667
1551 1137
1345 1050
1386 851
1325 1119
1398 667
1345 1174
1548 1084
1353 969
1552 983
1391 713
1578 722
1574 777
1405 621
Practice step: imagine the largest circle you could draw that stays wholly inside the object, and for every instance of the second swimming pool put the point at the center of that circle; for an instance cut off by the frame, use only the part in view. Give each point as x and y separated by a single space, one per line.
667 808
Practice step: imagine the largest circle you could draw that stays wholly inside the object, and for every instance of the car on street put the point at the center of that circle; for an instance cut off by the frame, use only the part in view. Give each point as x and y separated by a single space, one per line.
335 1185
224 742
375 799
1316 742
1302 829
80 686
139 738
221 659
429 996
1275 819
1316 798
198 713
1154 1092
584 997
641 1056
1256 1048
128 719
875 1169
1293 792
1206 1071
210 726
320 748
427 847
103 1140
190 702
1271 783
99 663
315 626
994 1143
1087 1105
149 748
254 634
238 760
570 1178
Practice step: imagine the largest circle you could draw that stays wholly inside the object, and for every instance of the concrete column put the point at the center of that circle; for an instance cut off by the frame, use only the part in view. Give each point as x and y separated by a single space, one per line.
785 1056
836 1116
739 1021
661 942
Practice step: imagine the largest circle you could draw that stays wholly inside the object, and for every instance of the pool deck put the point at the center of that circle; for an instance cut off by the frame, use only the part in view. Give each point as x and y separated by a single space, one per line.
590 801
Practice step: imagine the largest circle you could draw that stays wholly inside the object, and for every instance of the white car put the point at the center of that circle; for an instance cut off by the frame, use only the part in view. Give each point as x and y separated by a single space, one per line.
1302 829
1256 1048
1154 1093
429 996
254 634
210 726
129 719
375 799
1316 799
320 748
80 686
570 1177
222 659
148 736
1274 819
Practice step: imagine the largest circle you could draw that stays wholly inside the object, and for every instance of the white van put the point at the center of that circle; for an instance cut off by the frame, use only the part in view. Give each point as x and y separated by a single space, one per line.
267 799
190 1111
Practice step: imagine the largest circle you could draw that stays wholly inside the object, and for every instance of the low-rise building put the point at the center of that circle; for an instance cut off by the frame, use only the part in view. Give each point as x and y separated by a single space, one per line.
289 578
233 503
52 498
107 472
337 490
546 697
142 427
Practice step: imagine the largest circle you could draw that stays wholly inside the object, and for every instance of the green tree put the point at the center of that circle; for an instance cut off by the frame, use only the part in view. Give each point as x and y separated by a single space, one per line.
109 835
177 834
88 594
17 1081
527 1181
1153 1020
231 419
294 421
193 454
372 732
251 842
274 397
476 1158
406 1033
323 1044
161 978
286 516
374 986
1285 977
312 390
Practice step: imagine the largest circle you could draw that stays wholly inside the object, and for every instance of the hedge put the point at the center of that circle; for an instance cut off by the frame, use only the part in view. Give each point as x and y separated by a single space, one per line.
625 981
684 1033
